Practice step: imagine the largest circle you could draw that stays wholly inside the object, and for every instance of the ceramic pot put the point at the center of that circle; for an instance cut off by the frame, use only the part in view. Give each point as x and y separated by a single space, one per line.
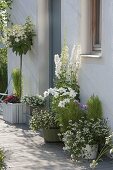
90 151
51 135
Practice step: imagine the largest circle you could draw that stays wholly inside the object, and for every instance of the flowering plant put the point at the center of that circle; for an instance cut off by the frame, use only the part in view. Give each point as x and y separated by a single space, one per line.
33 101
11 99
66 89
84 132
64 105
42 119
19 37
108 147
66 69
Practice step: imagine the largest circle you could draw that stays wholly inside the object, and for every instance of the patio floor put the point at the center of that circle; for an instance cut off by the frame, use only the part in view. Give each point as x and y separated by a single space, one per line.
26 150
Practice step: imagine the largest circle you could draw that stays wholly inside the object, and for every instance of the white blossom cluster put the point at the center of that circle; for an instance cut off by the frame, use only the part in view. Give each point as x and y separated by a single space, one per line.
68 93
67 63
17 33
33 100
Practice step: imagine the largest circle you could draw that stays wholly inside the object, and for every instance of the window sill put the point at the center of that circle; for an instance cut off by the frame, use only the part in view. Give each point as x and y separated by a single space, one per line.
91 55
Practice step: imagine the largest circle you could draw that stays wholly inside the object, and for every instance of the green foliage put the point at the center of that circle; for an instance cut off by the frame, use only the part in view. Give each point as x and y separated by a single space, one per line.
84 132
3 70
71 111
16 81
94 110
19 37
2 157
42 119
4 15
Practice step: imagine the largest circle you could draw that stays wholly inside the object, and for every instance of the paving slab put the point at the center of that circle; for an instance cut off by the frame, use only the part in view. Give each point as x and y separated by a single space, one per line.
26 150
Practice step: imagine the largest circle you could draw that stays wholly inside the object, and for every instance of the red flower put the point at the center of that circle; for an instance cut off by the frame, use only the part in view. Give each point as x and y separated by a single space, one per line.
11 99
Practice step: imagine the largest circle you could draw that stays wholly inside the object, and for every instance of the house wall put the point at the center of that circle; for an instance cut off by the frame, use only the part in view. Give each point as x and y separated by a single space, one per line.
96 74
36 62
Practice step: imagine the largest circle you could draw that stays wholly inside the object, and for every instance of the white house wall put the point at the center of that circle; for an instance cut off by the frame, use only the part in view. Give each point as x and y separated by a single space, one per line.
96 75
36 62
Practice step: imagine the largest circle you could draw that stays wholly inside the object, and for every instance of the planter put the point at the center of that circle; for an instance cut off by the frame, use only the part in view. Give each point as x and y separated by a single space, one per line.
51 135
2 108
14 112
90 152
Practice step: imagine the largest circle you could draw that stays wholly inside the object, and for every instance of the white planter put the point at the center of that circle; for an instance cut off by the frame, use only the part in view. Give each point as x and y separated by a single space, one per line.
2 108
14 112
90 152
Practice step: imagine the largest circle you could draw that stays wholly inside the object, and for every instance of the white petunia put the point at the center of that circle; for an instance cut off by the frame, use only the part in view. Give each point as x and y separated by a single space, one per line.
46 94
61 104
72 93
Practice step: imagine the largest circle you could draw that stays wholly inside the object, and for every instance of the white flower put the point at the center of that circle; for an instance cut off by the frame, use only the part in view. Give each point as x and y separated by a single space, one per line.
61 104
16 39
46 94
56 59
62 90
58 65
72 94
93 164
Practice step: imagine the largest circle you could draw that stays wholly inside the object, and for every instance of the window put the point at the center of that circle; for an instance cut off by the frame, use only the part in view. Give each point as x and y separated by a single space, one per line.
96 25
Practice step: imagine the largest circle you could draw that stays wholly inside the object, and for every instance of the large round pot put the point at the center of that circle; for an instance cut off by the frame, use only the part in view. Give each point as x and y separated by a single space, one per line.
90 151
51 135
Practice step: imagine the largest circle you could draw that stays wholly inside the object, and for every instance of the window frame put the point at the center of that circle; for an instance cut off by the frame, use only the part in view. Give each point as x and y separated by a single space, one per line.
96 20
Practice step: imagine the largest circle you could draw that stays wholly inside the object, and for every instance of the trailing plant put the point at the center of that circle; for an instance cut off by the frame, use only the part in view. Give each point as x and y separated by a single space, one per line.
34 101
94 110
42 119
16 81
84 132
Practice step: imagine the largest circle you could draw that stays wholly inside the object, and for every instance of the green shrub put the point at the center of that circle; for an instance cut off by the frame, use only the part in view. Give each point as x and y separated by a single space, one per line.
3 70
16 81
94 108
2 164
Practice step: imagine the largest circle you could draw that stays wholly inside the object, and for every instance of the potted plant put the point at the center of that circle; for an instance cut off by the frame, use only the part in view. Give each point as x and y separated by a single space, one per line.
82 137
14 110
66 90
33 102
45 120
20 39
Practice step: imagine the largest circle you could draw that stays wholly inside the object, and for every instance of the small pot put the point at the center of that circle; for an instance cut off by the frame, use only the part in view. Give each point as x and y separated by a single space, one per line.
51 135
90 151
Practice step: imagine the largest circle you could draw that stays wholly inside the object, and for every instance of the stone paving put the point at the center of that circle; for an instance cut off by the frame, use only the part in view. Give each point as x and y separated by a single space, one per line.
26 150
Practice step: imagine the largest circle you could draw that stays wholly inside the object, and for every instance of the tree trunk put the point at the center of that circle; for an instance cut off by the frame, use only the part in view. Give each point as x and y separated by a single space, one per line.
20 76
